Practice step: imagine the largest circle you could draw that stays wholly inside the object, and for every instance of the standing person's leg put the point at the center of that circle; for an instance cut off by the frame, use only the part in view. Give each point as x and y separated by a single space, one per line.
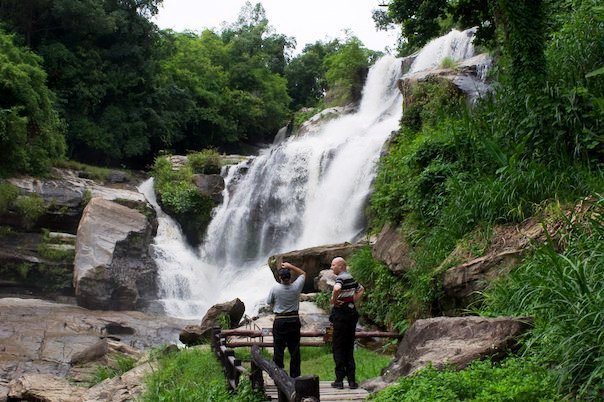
293 345
349 359
339 353
279 342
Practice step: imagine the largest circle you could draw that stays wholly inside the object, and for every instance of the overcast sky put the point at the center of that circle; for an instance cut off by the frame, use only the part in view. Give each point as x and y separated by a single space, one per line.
305 20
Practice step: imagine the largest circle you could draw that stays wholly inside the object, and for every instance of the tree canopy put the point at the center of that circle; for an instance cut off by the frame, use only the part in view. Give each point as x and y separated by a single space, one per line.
31 133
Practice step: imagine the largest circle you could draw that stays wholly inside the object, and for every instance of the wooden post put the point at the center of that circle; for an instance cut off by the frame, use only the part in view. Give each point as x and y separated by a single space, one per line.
307 386
256 377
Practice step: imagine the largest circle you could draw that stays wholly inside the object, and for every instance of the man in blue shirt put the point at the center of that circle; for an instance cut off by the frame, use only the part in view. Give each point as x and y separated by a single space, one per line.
344 317
284 298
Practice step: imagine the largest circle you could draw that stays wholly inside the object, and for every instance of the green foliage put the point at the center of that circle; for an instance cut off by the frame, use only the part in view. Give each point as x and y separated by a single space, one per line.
180 198
224 321
90 171
514 379
384 301
305 73
8 194
53 249
99 56
322 300
31 134
448 62
207 161
193 375
122 364
345 72
563 290
30 208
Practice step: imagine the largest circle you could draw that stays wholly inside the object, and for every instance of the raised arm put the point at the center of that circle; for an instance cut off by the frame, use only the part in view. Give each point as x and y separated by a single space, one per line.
297 270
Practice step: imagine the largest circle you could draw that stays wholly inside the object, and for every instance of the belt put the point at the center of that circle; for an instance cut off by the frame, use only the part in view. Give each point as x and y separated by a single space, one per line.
286 315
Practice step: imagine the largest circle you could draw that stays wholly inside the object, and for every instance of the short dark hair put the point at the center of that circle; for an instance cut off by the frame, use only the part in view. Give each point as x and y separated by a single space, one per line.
284 273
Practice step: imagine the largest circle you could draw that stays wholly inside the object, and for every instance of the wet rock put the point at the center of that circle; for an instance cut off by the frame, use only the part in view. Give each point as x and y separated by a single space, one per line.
313 260
210 185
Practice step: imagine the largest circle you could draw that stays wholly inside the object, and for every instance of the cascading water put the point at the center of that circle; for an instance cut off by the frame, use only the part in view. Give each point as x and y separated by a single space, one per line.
301 192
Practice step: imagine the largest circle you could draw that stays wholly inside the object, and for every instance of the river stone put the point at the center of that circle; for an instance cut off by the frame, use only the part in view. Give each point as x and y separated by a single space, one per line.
451 342
196 334
393 250
313 260
113 268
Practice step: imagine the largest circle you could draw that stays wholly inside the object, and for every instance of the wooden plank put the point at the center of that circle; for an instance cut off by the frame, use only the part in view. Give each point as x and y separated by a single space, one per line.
327 392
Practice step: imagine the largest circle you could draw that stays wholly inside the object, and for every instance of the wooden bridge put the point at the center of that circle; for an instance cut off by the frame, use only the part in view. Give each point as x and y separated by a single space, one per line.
273 381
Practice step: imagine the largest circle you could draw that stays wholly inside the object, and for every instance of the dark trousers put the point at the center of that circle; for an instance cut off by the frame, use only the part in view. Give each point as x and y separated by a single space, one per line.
286 332
344 327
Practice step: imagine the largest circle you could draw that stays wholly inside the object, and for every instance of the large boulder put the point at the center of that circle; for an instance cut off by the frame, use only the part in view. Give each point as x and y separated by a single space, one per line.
451 342
126 387
113 267
196 334
392 249
313 260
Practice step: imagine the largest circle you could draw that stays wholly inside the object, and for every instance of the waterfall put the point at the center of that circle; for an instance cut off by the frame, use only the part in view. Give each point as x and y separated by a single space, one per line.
301 192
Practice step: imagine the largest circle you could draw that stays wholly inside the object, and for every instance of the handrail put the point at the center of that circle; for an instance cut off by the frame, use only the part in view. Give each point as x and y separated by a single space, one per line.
231 366
289 389
303 388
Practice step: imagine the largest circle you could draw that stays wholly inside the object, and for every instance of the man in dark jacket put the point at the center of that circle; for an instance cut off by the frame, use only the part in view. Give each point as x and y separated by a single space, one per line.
344 317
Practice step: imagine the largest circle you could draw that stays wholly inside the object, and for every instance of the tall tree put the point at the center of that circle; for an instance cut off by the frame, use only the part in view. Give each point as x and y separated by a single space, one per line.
31 134
99 59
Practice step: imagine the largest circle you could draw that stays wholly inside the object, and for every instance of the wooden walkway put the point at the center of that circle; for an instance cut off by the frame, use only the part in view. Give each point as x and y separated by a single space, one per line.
327 392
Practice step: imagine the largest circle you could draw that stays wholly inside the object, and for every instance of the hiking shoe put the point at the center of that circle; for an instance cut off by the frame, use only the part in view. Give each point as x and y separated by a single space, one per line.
337 384
353 385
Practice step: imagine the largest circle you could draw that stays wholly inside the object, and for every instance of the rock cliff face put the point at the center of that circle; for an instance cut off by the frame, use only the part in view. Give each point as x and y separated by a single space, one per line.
113 269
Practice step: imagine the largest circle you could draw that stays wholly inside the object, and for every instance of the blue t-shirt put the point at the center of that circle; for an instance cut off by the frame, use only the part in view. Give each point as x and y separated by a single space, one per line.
286 298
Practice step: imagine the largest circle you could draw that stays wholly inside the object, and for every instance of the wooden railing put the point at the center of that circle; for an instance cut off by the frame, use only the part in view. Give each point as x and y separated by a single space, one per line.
303 388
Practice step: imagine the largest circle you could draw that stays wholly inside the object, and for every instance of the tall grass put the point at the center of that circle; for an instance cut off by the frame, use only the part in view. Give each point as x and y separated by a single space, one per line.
564 290
193 375
513 380
319 361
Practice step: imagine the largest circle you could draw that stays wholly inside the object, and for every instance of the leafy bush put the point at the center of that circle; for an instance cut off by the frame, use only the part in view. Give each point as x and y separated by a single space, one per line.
8 194
514 379
30 208
563 290
207 161
180 198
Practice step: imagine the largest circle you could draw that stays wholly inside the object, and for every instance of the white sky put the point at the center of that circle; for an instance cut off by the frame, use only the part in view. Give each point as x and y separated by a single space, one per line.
306 20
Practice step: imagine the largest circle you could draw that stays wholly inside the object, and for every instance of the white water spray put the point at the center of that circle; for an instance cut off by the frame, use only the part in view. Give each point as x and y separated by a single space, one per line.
302 192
